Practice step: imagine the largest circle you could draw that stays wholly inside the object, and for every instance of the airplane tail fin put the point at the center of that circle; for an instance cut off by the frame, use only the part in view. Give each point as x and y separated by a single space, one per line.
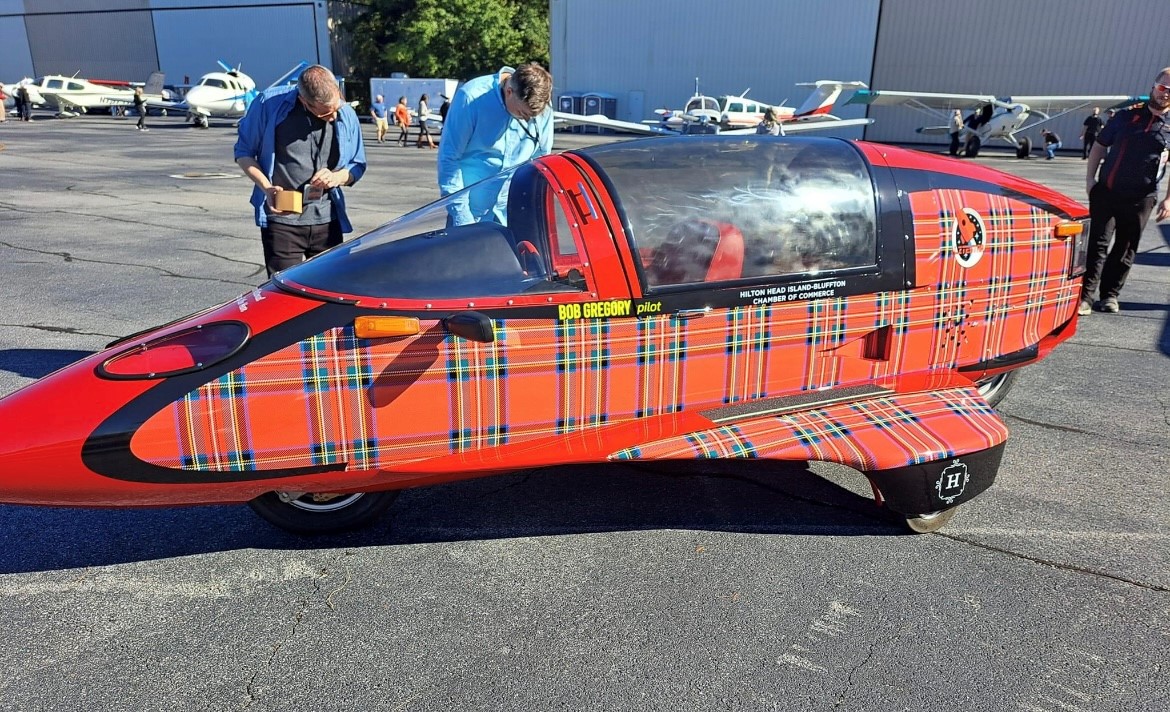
821 100
291 75
154 83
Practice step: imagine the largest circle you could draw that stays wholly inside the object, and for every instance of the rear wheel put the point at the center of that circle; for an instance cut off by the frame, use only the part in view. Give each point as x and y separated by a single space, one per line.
973 147
321 513
1024 148
932 522
995 388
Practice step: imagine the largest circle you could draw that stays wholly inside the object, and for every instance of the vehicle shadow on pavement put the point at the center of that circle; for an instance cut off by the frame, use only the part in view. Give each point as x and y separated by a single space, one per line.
749 497
38 363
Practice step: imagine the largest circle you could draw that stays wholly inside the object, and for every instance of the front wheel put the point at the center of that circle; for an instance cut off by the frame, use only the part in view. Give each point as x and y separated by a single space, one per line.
973 147
995 388
932 522
312 513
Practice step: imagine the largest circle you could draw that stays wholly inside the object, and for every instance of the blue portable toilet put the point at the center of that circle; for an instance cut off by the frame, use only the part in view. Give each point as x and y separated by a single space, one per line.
570 103
599 103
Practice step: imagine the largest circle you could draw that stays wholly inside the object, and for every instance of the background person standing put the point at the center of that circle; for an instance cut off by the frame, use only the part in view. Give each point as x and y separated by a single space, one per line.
1131 153
956 129
1093 126
402 118
23 102
140 107
301 138
424 131
378 113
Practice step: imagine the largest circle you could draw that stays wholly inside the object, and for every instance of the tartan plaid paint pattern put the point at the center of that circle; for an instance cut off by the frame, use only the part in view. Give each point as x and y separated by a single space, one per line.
874 434
1018 291
334 399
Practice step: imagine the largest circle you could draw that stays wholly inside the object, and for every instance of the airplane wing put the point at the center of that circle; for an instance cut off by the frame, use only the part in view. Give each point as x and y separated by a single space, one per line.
1069 103
787 128
160 103
940 102
566 119
927 101
823 122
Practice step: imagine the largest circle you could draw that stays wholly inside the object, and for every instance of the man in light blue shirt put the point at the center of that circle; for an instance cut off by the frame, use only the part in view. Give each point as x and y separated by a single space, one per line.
304 139
495 122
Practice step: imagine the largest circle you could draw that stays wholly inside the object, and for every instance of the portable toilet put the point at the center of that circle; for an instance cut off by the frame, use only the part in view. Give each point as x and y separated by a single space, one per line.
570 103
599 103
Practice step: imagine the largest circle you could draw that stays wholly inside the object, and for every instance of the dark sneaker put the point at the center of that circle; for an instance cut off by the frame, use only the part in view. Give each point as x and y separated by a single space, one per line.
1085 308
1110 305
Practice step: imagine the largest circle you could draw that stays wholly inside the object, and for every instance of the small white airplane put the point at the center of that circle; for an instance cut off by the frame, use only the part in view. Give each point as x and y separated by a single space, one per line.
73 96
991 117
227 94
736 114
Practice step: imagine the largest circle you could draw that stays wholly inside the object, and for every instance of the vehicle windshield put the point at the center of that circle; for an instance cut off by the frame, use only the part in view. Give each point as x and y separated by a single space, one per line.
730 207
504 236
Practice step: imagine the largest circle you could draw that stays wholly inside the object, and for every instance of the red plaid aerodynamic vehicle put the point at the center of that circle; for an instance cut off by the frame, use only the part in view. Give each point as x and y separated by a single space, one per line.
664 299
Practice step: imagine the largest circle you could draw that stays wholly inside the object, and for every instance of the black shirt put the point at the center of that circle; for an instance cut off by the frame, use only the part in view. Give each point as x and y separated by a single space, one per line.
1138 143
1093 126
304 145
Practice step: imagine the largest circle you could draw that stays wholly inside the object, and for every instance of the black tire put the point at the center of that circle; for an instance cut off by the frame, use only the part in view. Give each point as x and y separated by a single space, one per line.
973 147
932 522
1024 148
995 388
311 514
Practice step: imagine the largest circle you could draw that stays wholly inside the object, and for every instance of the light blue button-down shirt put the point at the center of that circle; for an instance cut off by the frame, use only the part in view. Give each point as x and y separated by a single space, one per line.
480 139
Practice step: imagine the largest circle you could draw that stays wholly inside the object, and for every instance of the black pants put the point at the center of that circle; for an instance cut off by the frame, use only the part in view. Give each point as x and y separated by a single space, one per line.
288 245
1124 217
1090 139
142 117
954 143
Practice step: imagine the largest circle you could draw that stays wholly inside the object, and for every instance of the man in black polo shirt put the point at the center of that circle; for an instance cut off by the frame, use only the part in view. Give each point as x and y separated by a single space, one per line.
1093 126
1134 147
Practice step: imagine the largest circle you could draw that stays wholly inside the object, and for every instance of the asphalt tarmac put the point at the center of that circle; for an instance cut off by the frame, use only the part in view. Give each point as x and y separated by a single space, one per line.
720 586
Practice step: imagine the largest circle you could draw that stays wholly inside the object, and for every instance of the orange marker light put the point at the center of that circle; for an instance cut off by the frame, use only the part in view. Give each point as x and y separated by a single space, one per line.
1066 230
381 327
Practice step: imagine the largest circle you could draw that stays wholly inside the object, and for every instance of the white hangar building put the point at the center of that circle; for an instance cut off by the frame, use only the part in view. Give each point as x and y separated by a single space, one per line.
129 39
647 54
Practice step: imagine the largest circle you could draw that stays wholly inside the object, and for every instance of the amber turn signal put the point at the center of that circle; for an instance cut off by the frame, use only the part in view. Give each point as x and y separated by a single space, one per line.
1066 230
380 327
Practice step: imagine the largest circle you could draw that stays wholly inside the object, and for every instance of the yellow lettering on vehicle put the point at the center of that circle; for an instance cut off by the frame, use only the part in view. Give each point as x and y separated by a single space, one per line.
568 311
595 310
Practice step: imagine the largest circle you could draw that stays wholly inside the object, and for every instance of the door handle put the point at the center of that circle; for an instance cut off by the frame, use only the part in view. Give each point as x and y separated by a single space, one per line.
692 313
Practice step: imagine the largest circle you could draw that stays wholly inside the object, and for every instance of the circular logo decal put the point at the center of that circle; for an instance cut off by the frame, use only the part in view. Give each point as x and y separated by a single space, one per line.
968 238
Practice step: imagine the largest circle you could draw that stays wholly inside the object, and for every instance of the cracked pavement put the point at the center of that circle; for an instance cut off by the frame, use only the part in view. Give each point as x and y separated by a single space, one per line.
711 586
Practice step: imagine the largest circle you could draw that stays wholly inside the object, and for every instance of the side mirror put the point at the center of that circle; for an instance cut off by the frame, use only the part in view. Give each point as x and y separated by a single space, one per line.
471 325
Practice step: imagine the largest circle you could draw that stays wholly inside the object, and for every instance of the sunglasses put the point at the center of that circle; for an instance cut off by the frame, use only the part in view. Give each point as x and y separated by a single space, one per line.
1162 87
321 111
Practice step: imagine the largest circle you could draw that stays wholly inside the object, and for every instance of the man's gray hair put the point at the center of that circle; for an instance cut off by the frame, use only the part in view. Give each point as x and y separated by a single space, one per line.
318 85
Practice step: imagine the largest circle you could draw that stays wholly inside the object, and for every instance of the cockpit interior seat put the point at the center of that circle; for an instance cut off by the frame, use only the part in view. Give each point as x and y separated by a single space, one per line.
697 250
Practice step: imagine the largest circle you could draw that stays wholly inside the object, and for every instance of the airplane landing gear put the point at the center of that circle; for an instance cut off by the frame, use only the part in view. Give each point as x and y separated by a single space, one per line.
973 146
1024 148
